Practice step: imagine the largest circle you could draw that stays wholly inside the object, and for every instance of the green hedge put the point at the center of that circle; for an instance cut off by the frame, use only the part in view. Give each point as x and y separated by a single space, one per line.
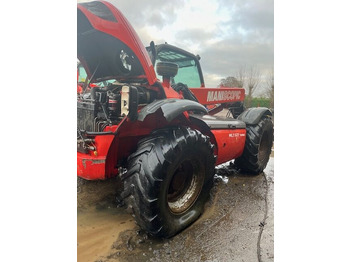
259 102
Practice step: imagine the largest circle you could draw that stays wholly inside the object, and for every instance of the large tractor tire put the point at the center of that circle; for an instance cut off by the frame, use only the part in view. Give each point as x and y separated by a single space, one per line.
168 180
257 150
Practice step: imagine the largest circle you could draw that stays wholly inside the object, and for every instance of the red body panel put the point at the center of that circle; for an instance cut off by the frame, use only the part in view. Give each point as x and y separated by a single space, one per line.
168 90
91 167
211 96
230 144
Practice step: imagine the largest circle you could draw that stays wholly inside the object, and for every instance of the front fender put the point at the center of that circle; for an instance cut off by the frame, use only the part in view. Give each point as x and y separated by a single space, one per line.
171 108
252 116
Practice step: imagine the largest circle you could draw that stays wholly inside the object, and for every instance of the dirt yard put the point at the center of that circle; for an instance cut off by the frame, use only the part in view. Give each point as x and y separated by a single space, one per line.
237 225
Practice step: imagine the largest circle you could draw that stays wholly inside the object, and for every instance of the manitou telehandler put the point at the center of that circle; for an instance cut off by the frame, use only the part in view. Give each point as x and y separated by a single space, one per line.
161 138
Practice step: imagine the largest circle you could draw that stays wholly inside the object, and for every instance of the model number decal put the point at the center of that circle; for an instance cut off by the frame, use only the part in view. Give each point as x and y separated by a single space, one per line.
235 135
223 95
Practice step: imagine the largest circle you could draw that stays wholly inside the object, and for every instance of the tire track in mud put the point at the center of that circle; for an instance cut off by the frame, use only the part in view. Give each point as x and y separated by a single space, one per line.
227 231
262 224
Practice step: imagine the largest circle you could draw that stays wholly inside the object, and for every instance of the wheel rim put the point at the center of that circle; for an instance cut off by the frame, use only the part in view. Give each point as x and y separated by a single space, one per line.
264 147
185 186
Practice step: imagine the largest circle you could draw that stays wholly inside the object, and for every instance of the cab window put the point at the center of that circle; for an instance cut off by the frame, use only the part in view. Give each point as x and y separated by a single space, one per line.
188 71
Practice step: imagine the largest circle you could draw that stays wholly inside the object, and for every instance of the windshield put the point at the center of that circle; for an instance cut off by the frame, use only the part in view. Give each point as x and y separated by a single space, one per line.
188 71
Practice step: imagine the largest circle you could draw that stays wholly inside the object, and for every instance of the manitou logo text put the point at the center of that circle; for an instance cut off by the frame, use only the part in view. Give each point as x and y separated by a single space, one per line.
223 95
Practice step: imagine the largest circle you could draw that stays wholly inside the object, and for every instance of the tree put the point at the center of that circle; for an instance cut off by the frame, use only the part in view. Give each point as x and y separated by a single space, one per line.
241 75
247 78
270 88
253 79
230 81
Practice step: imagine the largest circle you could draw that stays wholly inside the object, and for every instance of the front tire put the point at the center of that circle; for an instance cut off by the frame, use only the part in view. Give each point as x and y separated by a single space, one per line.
169 178
258 145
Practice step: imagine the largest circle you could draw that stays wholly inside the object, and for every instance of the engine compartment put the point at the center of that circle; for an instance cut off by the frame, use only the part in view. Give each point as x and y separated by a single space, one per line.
107 105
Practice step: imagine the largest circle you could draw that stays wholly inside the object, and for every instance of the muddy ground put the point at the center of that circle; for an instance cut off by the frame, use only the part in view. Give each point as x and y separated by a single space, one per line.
237 225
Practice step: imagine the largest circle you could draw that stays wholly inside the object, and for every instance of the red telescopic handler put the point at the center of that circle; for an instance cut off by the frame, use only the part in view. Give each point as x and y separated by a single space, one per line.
146 117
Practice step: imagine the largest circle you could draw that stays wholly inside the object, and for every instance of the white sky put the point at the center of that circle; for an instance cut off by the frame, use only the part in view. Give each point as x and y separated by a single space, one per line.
226 34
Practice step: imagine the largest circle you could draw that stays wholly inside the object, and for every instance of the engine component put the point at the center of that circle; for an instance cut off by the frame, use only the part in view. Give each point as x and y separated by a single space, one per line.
108 105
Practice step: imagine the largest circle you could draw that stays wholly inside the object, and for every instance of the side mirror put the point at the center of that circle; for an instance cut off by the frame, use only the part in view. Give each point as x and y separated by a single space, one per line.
167 69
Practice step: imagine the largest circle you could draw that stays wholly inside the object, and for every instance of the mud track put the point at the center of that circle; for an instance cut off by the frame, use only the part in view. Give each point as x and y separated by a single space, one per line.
237 224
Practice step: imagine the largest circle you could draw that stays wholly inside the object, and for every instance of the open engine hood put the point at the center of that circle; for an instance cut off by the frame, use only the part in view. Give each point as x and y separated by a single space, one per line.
108 46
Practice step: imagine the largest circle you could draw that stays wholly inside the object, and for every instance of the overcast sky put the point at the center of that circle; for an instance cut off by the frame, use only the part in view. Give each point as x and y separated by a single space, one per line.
227 34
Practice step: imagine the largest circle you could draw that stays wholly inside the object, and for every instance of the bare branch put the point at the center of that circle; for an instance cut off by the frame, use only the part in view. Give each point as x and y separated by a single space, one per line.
270 87
241 75
253 80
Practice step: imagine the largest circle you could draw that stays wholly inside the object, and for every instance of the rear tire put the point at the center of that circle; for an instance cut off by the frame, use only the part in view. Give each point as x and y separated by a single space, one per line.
257 150
168 180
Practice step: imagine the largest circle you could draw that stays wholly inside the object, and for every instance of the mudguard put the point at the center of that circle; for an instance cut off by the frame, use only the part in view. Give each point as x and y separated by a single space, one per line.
171 108
252 115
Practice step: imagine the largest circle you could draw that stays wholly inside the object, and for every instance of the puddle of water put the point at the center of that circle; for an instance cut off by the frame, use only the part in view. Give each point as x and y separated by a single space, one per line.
223 179
97 230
